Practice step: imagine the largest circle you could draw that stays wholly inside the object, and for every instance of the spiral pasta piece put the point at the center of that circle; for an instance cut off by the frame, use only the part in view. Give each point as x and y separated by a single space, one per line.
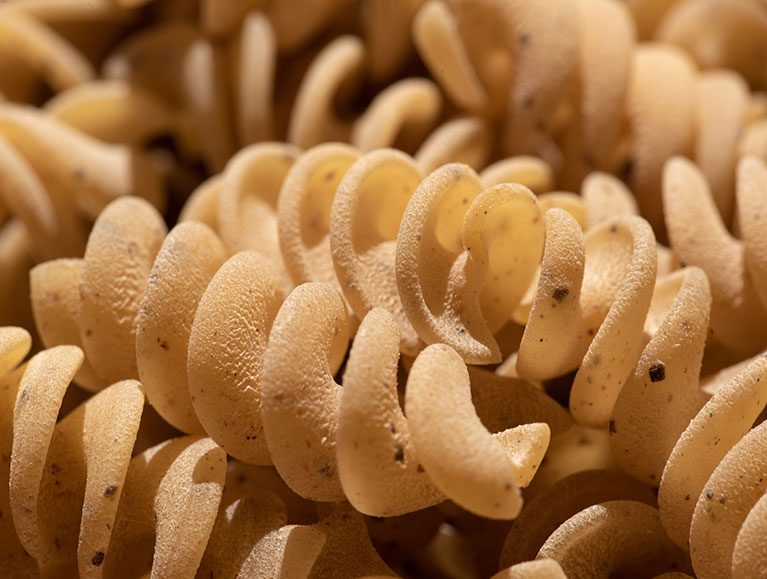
300 401
562 500
111 289
225 363
377 461
55 296
465 258
614 537
186 262
437 403
364 220
717 427
662 395
737 316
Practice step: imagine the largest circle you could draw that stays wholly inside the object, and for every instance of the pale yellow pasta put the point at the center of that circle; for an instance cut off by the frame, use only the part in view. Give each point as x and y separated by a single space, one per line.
377 460
61 65
543 39
147 58
477 470
402 114
74 167
606 197
722 103
749 557
167 510
719 425
647 14
203 67
227 343
570 202
240 525
248 194
113 111
437 38
187 261
25 197
751 199
730 493
461 140
16 561
753 141
78 466
660 107
293 33
303 211
565 498
575 290
255 70
387 30
202 204
612 538
300 397
502 402
220 18
662 394
720 33
364 221
532 172
312 120
543 569
118 260
15 263
343 526
606 40
465 258
55 297
699 237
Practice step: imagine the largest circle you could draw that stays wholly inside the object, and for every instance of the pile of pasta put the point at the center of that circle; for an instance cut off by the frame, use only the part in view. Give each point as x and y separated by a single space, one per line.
362 288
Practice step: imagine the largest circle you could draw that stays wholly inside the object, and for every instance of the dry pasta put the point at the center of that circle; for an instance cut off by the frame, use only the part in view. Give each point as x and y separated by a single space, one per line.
369 288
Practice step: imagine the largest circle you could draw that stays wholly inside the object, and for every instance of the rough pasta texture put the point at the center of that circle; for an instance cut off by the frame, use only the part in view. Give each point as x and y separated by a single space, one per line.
448 289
